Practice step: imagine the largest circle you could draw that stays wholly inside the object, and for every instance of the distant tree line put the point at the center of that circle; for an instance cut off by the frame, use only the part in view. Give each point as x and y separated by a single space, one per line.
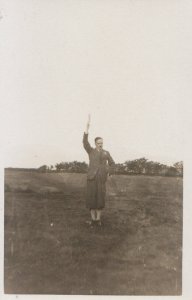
23 169
141 166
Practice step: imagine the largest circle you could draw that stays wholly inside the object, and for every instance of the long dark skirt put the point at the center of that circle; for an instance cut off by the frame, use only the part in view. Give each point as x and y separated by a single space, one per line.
96 192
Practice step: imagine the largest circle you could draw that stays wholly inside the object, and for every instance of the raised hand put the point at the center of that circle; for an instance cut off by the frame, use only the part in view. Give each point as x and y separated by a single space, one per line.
88 123
89 119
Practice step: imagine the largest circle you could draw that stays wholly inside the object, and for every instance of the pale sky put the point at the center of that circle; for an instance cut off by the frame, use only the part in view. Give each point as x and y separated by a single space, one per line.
127 63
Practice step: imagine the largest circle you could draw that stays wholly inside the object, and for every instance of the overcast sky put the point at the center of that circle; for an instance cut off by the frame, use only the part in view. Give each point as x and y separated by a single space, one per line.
127 63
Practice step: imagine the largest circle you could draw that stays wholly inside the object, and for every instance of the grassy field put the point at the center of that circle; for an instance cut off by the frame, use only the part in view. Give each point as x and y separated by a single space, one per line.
50 249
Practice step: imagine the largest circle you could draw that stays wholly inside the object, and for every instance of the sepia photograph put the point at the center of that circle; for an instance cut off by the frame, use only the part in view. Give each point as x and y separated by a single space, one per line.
94 146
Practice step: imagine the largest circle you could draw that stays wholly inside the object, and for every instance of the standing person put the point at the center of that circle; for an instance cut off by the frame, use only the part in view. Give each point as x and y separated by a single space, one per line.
101 165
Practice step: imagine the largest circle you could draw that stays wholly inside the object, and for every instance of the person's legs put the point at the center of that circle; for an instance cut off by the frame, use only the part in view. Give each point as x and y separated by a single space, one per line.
98 215
93 214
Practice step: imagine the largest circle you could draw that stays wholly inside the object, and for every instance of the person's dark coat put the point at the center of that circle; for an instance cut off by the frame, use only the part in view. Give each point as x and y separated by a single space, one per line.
98 160
100 165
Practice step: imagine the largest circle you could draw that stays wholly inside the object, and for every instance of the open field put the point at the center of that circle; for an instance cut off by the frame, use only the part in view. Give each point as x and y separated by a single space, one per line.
50 249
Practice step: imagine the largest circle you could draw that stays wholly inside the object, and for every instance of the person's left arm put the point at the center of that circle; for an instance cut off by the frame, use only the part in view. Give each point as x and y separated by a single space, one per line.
111 164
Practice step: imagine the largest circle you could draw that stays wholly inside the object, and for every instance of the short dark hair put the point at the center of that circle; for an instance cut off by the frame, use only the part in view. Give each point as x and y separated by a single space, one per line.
98 138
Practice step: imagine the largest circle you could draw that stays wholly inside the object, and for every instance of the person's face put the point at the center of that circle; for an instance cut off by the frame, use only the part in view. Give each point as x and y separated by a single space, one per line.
99 144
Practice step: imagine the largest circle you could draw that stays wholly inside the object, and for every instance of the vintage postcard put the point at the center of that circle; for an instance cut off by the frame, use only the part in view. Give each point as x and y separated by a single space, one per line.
96 120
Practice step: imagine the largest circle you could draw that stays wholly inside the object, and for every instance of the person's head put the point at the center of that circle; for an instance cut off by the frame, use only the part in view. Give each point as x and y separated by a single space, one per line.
99 143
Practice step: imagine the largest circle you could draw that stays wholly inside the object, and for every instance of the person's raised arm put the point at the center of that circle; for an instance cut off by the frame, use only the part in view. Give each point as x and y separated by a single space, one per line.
86 144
